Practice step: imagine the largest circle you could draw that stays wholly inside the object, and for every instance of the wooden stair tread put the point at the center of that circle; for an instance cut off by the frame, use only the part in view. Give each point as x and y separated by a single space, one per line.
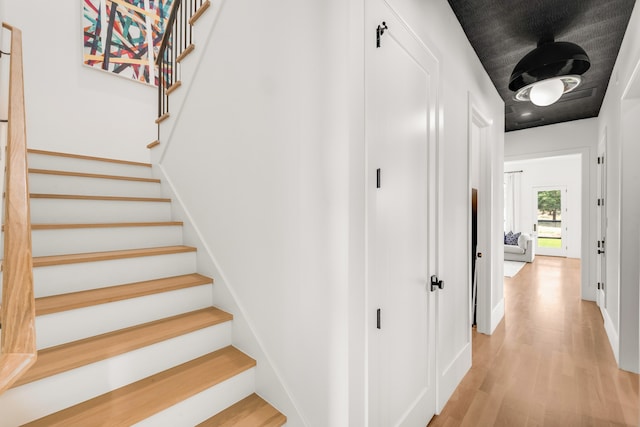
112 198
62 358
106 225
44 261
83 157
173 87
199 12
162 118
137 401
252 411
92 175
184 54
153 144
74 300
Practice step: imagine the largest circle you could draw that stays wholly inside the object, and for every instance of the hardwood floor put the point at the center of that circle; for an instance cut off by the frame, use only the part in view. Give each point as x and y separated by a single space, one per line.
547 364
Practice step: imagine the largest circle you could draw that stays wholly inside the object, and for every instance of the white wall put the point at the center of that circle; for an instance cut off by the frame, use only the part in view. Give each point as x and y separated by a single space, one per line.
258 156
576 137
619 119
267 157
562 171
70 107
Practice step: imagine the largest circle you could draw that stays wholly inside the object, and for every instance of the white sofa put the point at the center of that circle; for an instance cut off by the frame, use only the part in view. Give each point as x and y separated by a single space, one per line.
523 251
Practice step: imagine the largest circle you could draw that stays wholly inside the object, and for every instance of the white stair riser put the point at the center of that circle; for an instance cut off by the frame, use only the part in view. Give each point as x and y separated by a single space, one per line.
72 325
35 400
59 184
42 161
62 279
79 240
205 404
61 211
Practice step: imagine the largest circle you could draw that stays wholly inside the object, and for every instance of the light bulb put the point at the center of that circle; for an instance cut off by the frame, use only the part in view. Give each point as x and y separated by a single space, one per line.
546 92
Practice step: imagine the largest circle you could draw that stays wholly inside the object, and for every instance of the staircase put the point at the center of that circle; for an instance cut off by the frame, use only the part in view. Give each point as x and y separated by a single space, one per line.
125 328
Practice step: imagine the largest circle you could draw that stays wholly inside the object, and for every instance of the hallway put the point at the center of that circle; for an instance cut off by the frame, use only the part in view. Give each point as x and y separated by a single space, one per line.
547 364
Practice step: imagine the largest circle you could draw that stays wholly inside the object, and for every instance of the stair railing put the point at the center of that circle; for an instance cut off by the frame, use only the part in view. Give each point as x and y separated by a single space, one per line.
177 42
18 345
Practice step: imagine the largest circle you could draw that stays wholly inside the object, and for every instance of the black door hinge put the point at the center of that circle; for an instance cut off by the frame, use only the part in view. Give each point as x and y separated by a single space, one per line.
378 178
379 32
378 319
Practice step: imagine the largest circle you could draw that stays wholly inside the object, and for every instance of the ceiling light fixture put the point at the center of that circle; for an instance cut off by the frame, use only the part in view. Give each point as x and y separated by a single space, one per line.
549 71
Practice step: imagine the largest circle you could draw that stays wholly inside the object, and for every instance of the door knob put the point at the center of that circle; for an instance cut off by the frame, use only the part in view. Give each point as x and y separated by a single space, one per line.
600 251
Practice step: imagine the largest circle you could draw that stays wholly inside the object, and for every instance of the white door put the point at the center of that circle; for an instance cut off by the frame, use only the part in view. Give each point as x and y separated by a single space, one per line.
601 224
400 122
550 220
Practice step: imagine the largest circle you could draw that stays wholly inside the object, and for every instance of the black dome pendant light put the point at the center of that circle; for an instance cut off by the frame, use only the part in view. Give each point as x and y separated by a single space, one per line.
549 71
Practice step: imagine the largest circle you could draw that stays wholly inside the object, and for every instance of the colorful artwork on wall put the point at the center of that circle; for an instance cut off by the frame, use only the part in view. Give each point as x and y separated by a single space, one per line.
123 36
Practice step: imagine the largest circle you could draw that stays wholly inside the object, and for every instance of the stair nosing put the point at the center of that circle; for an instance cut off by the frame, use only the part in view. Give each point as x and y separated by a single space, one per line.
162 118
50 260
188 50
103 198
205 5
174 86
106 225
58 303
92 175
129 339
175 385
83 157
229 415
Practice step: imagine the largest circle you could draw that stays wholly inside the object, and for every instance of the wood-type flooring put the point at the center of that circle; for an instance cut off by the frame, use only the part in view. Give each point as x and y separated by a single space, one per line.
547 364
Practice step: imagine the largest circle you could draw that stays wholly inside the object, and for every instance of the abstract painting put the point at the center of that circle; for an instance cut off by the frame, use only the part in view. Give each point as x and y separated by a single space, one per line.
123 36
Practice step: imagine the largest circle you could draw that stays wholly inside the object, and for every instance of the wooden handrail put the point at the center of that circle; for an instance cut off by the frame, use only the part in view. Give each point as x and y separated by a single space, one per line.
18 347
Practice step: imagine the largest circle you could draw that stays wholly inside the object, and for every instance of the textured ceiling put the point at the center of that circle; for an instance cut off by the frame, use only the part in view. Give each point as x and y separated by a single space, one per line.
503 31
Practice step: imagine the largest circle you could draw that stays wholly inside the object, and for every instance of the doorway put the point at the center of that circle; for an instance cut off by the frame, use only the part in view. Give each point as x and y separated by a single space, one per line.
550 220
480 256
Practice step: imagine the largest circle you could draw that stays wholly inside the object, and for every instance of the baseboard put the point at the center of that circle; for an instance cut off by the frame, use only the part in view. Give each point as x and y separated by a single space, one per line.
497 314
452 376
614 340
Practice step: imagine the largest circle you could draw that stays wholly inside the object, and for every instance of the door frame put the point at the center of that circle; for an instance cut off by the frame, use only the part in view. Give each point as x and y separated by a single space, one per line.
563 229
601 222
483 316
588 245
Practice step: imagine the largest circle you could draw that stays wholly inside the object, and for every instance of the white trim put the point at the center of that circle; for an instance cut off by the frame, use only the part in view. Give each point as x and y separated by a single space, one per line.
241 313
614 340
357 329
484 293
497 314
635 75
453 375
